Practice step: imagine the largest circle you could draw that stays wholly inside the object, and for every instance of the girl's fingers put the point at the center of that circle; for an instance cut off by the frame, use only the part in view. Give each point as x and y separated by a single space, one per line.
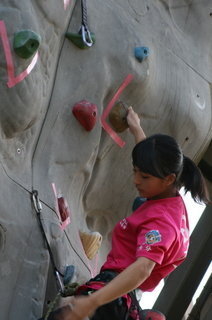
65 301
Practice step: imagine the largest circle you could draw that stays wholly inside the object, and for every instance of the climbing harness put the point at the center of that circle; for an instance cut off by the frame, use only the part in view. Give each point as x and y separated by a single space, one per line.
84 38
125 307
38 209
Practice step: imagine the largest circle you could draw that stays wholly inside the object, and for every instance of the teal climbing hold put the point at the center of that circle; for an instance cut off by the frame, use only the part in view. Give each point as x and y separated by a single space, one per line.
141 53
26 43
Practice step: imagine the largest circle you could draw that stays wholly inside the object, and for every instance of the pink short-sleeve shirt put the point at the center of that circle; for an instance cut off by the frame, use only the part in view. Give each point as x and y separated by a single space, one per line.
157 230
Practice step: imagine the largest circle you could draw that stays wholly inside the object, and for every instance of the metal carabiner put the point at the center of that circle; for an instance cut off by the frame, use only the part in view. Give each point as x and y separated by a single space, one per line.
86 36
36 201
60 282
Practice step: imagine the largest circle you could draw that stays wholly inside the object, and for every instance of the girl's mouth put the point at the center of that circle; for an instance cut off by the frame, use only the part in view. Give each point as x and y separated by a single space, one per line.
140 191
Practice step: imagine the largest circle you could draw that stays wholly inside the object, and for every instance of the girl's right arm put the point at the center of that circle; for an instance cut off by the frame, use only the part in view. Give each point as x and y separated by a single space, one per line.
135 126
126 281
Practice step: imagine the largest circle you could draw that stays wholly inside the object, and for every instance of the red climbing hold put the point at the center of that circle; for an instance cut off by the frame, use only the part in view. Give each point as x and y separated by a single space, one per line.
63 209
86 113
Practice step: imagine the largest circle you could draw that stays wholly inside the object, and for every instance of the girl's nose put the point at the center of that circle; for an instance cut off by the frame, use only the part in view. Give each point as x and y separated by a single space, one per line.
136 178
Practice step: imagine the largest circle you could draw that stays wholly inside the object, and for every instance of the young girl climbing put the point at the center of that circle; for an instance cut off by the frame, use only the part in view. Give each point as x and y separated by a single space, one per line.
152 241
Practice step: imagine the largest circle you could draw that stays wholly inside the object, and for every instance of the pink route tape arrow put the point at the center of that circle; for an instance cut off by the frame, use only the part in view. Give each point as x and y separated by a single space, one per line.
106 112
12 79
66 3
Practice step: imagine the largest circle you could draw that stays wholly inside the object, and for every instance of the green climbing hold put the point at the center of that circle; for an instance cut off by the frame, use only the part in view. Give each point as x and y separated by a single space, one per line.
26 43
77 39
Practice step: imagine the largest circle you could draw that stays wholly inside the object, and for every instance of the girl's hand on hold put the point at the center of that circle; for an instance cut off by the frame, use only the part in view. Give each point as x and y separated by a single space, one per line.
133 121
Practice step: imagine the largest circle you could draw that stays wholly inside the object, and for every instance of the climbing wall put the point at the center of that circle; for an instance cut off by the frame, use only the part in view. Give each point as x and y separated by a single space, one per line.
60 77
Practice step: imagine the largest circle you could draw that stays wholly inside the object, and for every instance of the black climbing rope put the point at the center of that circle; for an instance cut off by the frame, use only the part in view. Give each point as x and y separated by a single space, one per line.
84 31
38 209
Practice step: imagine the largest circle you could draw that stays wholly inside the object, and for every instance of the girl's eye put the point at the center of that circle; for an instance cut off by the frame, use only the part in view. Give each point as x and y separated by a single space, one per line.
145 177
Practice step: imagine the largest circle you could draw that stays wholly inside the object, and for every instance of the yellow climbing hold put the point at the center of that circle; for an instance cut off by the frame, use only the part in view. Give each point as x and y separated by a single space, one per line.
91 242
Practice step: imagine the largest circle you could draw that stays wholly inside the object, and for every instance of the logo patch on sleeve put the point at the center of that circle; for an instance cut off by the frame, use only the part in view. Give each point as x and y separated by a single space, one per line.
152 237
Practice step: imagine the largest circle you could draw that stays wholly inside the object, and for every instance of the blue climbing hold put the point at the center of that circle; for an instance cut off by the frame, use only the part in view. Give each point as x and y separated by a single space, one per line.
141 53
69 273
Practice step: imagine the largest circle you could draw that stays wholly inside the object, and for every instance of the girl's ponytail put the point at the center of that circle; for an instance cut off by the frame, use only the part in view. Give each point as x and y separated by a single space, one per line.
192 180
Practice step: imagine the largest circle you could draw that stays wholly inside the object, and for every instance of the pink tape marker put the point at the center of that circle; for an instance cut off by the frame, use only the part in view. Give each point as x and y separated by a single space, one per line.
66 3
105 113
12 79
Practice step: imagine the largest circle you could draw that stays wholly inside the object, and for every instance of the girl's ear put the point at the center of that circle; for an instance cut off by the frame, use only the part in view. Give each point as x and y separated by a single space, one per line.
170 179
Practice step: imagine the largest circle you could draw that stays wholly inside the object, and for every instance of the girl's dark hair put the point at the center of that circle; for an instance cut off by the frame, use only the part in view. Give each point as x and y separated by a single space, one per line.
160 155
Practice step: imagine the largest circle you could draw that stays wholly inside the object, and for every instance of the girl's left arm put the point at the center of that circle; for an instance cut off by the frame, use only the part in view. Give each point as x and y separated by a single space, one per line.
133 121
128 280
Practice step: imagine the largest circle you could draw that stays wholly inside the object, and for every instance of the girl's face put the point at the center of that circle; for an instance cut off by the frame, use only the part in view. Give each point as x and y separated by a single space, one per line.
152 187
